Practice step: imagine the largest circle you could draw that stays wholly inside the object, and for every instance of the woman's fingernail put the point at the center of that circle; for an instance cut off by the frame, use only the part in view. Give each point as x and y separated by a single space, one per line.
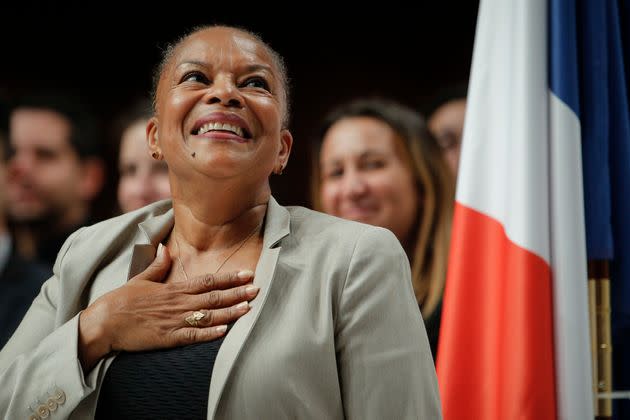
251 290
160 250
245 274
242 306
221 329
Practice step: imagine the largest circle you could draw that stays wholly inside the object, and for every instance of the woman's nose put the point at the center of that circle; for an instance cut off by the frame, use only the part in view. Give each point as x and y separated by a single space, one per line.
354 185
224 91
143 185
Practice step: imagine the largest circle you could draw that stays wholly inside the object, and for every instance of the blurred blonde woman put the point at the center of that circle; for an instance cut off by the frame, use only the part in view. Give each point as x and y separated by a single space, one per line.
375 162
142 179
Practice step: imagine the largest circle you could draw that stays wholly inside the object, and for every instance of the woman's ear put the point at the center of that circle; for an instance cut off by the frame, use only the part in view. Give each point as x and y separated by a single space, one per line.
286 141
152 136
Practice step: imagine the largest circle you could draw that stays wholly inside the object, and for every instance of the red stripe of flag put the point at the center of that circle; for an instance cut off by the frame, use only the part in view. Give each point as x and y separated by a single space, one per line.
496 357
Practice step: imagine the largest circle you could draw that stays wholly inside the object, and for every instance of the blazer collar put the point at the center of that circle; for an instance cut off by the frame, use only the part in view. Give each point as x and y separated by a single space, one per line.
150 233
277 225
155 229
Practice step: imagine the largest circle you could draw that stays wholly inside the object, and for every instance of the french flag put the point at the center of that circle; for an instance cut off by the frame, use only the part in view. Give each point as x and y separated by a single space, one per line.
547 83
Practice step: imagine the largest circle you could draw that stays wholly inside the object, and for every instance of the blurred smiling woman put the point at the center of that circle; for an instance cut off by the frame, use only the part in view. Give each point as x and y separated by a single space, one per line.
317 335
375 162
142 178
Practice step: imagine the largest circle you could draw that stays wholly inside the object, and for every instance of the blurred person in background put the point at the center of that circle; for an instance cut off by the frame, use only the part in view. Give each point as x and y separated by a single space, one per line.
143 179
20 280
446 122
375 162
55 172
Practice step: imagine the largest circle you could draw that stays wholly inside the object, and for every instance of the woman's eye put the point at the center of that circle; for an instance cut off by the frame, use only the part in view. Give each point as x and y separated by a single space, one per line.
373 164
256 82
333 173
128 170
195 76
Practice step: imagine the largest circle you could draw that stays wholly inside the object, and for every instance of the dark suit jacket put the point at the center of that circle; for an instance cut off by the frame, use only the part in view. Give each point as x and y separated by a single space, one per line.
20 281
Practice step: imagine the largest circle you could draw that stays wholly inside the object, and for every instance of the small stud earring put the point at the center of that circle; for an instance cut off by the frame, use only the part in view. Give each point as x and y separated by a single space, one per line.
155 155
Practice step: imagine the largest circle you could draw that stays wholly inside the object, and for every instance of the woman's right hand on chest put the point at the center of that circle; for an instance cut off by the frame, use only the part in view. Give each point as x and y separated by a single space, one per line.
147 314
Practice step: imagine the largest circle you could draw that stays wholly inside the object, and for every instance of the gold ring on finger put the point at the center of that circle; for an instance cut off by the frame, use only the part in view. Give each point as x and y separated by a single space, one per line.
194 318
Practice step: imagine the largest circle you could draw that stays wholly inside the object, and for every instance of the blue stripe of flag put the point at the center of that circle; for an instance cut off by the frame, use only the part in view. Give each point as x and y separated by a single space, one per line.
619 158
588 72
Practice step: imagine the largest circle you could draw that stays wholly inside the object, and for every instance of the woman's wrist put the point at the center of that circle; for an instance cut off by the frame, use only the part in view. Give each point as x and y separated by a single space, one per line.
93 343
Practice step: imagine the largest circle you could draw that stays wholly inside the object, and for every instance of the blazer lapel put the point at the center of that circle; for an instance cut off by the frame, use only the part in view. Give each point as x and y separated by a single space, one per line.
276 228
151 232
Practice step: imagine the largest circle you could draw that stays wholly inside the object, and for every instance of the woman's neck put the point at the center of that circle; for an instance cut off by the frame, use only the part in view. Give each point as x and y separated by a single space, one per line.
217 220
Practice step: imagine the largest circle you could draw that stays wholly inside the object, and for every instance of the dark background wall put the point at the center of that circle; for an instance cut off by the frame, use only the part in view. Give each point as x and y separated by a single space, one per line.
107 52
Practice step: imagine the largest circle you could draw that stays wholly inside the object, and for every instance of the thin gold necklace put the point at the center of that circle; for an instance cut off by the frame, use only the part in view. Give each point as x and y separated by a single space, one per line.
243 242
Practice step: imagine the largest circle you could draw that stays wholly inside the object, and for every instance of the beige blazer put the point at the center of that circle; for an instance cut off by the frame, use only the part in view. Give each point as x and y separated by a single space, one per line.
334 333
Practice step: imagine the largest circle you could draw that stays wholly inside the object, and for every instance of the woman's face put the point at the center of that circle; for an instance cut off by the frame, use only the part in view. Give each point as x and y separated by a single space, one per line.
219 110
143 179
364 176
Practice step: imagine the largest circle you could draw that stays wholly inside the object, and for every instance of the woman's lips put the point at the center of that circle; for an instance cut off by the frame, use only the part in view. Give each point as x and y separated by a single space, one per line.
219 122
221 136
358 213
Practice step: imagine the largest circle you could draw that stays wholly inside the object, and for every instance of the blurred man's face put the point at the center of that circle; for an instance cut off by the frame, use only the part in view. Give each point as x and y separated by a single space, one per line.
44 171
447 125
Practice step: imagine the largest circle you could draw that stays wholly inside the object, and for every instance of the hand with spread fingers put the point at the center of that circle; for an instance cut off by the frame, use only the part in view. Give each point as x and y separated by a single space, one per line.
147 314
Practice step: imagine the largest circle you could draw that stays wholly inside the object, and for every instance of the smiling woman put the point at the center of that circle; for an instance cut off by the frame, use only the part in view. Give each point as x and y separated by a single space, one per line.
375 162
121 333
255 77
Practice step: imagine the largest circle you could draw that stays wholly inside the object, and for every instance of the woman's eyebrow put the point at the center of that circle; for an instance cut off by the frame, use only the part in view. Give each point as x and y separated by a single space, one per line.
192 62
258 67
372 153
248 68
